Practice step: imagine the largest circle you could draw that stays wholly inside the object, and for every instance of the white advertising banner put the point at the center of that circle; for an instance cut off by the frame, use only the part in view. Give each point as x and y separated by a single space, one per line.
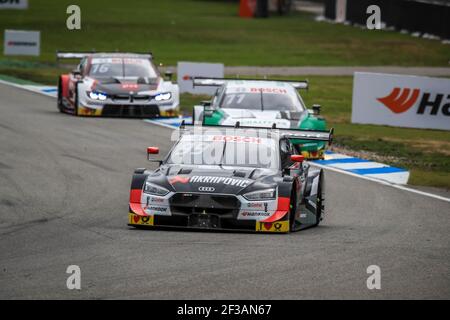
401 101
341 10
14 4
186 70
17 42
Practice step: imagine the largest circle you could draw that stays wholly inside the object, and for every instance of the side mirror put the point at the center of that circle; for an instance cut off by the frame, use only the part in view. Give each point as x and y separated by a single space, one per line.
206 103
208 111
168 74
297 158
151 151
76 72
316 109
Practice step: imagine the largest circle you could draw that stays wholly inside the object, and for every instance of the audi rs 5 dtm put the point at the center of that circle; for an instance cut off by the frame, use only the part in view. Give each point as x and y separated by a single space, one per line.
231 178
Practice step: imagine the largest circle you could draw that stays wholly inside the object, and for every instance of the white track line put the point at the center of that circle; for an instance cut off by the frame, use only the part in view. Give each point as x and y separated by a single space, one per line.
383 182
165 125
29 87
427 194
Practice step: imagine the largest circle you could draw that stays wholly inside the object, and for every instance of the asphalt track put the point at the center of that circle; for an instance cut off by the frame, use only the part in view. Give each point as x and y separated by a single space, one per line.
64 185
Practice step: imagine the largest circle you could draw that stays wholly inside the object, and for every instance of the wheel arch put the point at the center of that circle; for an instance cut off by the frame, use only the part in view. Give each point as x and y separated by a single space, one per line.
137 183
63 83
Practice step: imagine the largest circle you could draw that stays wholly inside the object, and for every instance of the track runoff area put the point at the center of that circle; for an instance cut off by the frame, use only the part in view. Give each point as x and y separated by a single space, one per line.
361 168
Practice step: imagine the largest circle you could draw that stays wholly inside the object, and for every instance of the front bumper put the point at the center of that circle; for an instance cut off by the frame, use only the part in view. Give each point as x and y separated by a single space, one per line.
128 111
206 221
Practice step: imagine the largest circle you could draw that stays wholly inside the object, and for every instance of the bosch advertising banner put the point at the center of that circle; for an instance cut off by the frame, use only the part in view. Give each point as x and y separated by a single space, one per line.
14 4
17 42
401 101
187 70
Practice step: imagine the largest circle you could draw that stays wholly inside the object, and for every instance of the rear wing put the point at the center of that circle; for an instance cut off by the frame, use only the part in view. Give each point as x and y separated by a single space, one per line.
315 135
80 55
218 82
302 134
71 55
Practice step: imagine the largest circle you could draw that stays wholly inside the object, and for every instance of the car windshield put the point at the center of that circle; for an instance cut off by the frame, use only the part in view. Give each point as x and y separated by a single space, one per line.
227 150
122 67
279 99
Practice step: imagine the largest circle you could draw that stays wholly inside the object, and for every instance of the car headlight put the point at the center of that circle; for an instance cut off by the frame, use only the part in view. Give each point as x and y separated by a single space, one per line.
153 189
261 195
163 96
95 95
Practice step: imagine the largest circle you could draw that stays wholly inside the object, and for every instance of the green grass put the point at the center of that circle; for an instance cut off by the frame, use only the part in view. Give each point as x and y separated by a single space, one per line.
199 30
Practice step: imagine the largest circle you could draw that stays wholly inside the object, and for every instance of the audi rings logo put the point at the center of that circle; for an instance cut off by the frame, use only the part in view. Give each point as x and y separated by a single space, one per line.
206 189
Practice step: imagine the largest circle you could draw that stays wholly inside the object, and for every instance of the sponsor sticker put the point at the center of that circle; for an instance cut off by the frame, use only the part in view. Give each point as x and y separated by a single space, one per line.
278 226
211 180
179 179
269 90
281 123
140 220
258 205
130 86
133 61
220 180
106 60
155 200
255 214
237 139
157 209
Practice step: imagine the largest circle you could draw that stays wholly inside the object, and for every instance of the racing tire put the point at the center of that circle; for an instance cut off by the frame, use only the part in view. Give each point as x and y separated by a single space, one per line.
292 210
319 200
75 107
59 102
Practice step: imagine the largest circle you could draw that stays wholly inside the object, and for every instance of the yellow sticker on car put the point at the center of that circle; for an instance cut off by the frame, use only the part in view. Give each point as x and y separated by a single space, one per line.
277 226
84 111
140 220
313 154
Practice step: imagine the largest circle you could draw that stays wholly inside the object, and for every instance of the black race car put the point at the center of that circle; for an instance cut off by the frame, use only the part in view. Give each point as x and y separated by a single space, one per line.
231 178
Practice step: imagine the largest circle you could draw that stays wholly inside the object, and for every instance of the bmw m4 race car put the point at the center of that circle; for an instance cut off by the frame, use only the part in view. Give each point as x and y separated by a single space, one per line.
116 85
261 103
230 178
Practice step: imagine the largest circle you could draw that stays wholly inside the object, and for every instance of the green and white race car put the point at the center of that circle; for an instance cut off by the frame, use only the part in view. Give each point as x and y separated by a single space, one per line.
261 103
